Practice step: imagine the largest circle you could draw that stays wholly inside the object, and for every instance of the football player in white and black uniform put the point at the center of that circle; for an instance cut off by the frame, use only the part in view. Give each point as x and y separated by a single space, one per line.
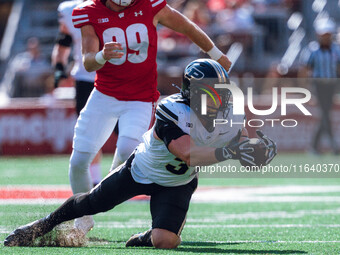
162 165
155 163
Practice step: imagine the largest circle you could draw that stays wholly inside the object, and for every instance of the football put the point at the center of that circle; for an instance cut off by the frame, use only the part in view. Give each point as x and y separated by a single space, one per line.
260 153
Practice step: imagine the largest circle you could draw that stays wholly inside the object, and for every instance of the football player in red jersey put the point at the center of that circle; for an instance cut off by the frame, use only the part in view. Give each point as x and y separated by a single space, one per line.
119 42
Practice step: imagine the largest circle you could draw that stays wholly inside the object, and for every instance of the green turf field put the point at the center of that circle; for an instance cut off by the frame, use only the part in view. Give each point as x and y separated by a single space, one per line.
277 216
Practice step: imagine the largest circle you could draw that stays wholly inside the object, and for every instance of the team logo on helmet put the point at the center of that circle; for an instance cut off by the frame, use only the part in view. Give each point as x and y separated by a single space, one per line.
193 73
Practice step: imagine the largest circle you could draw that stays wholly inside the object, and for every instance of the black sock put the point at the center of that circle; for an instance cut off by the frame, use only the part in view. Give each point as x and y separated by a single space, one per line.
74 207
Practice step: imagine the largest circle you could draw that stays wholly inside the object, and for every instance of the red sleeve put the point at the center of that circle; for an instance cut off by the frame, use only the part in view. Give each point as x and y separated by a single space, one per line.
157 5
80 17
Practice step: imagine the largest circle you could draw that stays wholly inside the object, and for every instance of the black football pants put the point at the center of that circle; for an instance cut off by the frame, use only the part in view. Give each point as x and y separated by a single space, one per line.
168 205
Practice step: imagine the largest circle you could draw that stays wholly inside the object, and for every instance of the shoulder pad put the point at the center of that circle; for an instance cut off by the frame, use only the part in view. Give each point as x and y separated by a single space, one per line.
80 14
156 6
67 5
170 108
65 10
84 4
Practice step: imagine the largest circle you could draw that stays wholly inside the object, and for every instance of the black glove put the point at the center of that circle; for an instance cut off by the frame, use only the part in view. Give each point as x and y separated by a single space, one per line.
239 150
270 144
59 74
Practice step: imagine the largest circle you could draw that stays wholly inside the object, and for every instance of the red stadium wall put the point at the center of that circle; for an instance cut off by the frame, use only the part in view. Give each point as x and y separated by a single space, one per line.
32 127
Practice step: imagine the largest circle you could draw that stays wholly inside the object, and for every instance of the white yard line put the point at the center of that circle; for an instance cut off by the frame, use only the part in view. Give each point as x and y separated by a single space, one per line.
263 194
146 223
217 197
279 241
220 217
263 226
31 201
201 199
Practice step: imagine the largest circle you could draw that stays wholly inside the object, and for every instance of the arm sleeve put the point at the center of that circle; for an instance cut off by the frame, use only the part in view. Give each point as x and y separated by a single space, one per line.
168 131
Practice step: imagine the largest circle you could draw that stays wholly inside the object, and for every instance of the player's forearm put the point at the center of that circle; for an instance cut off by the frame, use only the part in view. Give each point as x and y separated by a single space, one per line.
90 49
198 36
181 24
202 156
90 62
185 148
96 60
60 54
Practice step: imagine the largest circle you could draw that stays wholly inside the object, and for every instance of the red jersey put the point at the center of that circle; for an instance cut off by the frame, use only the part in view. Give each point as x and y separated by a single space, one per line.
134 76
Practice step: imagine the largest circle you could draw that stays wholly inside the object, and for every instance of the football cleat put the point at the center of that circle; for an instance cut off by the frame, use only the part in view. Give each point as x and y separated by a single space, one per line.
140 240
25 235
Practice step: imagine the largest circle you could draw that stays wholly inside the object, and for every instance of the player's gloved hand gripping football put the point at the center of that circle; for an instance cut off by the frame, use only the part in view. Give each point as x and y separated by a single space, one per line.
264 150
251 152
270 145
239 150
236 149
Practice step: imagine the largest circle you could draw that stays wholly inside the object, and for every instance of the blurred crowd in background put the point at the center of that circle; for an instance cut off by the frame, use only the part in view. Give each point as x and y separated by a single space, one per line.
263 38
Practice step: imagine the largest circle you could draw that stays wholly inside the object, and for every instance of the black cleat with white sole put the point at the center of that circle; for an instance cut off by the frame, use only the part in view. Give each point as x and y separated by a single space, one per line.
25 235
140 240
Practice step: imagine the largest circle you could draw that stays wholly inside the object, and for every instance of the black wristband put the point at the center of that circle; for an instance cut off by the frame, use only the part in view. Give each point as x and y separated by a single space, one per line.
219 154
59 67
59 74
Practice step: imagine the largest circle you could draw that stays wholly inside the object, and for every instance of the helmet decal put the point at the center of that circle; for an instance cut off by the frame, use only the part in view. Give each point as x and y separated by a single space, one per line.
211 95
193 73
219 71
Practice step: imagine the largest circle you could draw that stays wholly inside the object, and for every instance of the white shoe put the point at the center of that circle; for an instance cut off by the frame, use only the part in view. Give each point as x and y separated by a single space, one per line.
85 223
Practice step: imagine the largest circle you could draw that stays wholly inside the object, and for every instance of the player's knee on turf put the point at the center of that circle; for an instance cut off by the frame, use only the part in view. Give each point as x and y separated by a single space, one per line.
164 239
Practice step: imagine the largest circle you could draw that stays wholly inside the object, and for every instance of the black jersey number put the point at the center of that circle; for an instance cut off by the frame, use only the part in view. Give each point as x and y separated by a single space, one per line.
180 169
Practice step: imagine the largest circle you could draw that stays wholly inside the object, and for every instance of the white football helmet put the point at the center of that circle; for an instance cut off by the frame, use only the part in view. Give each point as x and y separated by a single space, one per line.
124 3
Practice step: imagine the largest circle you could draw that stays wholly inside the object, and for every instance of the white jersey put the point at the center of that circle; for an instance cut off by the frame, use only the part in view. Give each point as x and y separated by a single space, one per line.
65 17
154 163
